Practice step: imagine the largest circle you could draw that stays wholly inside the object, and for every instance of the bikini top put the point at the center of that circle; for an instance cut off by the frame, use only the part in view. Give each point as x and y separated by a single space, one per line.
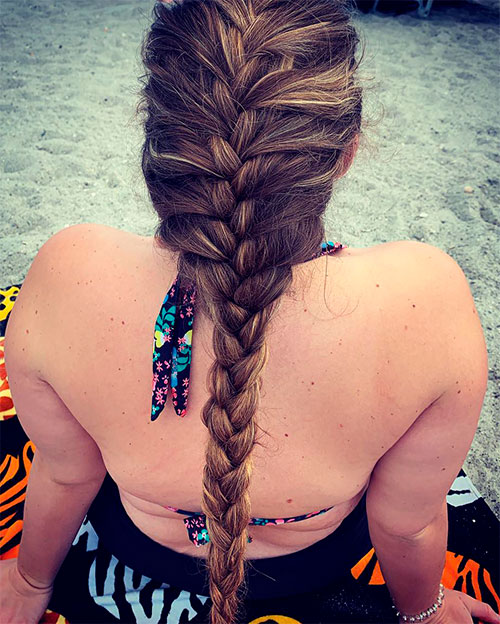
171 367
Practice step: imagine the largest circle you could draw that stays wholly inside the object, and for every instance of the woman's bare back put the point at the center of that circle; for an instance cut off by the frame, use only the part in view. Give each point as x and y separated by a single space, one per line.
342 383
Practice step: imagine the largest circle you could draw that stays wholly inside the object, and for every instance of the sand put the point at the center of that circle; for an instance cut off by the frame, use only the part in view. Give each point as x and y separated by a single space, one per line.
69 149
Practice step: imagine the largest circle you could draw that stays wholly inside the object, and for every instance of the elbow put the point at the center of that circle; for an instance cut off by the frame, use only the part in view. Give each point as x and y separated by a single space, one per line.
408 529
91 481
74 475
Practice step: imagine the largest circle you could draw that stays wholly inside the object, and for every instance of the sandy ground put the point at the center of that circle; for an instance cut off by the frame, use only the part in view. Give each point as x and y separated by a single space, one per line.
70 145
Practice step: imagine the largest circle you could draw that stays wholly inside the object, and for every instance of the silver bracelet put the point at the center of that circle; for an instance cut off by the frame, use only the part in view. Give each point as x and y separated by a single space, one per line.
423 615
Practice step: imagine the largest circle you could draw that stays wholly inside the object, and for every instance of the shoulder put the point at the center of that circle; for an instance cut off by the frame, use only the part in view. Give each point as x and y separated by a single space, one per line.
407 259
88 248
75 241
431 311
68 258
70 272
415 272
83 250
427 273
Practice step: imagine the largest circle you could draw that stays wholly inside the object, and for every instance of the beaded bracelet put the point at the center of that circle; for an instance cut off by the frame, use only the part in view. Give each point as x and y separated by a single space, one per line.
423 615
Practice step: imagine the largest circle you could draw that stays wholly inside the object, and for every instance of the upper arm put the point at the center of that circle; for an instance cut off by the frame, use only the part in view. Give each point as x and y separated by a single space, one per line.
409 483
69 452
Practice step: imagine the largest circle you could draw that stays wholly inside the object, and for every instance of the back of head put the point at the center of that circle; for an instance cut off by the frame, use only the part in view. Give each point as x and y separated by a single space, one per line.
251 108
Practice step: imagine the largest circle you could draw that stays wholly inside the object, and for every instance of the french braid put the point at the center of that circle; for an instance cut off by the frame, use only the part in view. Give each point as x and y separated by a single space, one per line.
249 109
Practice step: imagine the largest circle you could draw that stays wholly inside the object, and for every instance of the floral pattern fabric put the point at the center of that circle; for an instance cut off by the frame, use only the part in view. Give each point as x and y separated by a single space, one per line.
196 523
172 349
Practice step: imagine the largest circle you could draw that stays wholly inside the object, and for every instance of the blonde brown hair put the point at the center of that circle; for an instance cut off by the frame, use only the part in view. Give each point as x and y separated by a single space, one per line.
250 107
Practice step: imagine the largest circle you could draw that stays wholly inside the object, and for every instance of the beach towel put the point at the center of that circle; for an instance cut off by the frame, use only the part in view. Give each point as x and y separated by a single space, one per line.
95 586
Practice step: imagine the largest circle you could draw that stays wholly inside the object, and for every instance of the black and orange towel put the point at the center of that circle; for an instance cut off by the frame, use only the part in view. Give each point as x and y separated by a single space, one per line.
472 561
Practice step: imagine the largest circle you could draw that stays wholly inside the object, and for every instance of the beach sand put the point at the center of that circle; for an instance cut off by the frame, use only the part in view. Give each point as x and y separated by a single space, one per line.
69 149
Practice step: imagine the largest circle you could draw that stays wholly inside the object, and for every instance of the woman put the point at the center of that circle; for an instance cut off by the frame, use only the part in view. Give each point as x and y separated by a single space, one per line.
332 374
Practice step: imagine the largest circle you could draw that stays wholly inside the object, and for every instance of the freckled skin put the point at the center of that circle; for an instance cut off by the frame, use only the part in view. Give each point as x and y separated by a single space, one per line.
353 381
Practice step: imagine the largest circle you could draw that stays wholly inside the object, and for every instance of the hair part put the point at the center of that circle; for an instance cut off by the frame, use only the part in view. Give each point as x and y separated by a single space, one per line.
249 109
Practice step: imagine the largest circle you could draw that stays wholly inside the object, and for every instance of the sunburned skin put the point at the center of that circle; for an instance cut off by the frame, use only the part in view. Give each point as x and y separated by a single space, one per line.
344 380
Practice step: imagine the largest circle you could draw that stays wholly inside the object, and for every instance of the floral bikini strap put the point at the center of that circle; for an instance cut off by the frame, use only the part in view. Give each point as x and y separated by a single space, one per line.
196 523
172 349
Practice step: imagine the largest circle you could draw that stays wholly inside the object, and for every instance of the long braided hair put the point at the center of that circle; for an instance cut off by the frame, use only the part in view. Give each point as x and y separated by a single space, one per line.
250 107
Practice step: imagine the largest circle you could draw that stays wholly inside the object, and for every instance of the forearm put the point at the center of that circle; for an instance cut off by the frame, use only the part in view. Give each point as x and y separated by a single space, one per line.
413 566
53 514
